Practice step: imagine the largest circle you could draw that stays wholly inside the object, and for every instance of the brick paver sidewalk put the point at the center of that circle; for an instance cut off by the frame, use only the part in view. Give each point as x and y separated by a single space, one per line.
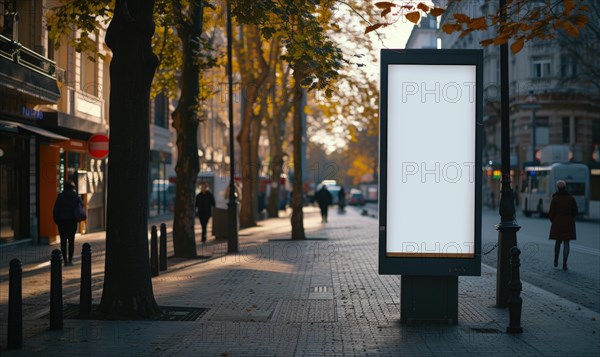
322 296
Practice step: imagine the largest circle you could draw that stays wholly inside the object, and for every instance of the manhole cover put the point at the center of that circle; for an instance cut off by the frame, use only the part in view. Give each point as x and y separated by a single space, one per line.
170 313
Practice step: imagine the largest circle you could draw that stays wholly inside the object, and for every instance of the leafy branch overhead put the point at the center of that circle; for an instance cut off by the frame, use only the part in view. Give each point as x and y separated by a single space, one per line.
525 20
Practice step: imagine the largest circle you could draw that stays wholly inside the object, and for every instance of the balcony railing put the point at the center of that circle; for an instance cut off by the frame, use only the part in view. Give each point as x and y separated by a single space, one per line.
22 55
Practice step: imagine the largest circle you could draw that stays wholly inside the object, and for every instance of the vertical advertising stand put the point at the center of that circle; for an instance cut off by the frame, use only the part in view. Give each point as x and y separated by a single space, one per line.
430 176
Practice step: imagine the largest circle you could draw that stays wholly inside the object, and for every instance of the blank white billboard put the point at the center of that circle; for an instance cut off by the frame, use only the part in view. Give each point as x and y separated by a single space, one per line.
431 153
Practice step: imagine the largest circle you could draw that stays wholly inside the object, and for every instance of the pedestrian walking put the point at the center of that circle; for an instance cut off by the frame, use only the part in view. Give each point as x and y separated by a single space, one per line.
563 210
342 200
205 201
68 211
324 199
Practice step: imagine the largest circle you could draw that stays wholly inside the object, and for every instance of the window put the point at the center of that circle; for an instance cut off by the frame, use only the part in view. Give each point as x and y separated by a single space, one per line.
542 131
88 71
566 130
542 68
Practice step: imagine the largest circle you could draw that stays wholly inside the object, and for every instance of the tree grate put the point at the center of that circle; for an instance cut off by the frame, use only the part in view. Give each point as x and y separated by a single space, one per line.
170 313
485 330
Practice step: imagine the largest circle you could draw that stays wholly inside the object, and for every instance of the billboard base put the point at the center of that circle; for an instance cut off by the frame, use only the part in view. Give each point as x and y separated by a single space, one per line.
429 299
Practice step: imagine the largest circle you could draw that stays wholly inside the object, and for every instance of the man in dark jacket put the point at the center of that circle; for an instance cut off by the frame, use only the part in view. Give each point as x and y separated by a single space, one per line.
205 201
324 199
563 210
64 217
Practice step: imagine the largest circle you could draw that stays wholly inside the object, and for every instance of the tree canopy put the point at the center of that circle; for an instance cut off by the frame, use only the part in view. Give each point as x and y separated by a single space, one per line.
520 21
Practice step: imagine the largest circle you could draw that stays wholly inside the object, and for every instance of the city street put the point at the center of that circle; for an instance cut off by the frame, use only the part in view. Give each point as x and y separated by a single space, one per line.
580 284
321 296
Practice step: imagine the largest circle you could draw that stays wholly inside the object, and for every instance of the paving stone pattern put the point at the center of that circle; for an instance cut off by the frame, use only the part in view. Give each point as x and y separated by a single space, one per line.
321 297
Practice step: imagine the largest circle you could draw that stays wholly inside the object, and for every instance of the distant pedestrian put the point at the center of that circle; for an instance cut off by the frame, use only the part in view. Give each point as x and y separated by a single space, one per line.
64 215
342 199
516 196
563 210
205 201
324 199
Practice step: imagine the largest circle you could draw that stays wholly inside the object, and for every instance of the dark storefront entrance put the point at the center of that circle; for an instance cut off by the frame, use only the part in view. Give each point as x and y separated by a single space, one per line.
13 173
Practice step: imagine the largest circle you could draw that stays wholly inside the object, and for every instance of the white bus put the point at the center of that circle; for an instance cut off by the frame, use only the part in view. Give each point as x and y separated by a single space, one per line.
540 185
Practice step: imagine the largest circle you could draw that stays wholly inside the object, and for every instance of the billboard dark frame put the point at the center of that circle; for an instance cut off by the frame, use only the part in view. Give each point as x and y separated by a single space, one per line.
433 264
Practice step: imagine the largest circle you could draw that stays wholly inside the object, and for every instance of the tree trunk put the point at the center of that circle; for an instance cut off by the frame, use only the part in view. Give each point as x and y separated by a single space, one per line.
127 278
297 214
247 216
248 51
185 122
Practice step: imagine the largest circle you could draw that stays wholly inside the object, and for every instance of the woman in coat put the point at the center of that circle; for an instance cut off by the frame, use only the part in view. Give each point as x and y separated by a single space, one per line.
64 217
563 210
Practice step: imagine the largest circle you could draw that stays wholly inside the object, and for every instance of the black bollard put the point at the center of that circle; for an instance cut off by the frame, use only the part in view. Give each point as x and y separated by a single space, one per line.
85 292
515 303
154 251
56 296
163 247
15 305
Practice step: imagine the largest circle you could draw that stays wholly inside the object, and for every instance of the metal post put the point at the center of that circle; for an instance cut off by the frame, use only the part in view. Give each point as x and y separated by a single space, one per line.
15 305
163 247
533 160
508 227
85 292
515 303
154 251
56 297
232 241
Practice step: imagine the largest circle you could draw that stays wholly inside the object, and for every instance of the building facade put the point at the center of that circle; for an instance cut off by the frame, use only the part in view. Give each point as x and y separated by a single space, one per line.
552 97
28 83
52 101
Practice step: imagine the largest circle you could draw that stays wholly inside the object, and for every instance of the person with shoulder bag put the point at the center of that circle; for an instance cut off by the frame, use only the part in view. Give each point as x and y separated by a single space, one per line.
68 212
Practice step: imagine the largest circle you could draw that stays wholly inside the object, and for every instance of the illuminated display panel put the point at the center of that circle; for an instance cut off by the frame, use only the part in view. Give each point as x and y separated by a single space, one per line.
430 219
431 160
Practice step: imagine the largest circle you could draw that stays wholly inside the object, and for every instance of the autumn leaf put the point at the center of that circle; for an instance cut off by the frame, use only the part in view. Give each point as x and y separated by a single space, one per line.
465 32
525 27
569 6
423 7
462 17
580 20
571 30
372 28
386 11
436 11
451 28
486 42
477 24
516 46
413 17
384 4
501 40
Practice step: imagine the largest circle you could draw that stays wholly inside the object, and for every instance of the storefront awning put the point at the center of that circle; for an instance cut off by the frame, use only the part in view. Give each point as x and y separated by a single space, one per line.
33 129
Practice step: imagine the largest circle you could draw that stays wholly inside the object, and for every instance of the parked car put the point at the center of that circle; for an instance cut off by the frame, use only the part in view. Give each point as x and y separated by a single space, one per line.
356 198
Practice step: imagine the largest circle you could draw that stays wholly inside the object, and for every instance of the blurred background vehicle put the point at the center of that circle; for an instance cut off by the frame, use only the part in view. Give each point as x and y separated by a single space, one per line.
356 198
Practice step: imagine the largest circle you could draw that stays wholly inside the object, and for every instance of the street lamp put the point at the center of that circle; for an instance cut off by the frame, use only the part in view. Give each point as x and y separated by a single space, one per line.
508 227
232 240
532 104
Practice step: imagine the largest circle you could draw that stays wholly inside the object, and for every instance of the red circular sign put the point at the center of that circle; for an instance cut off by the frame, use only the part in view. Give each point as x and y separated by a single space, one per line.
98 146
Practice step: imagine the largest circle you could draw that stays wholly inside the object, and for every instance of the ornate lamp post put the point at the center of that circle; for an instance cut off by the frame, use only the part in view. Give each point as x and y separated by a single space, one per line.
508 227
